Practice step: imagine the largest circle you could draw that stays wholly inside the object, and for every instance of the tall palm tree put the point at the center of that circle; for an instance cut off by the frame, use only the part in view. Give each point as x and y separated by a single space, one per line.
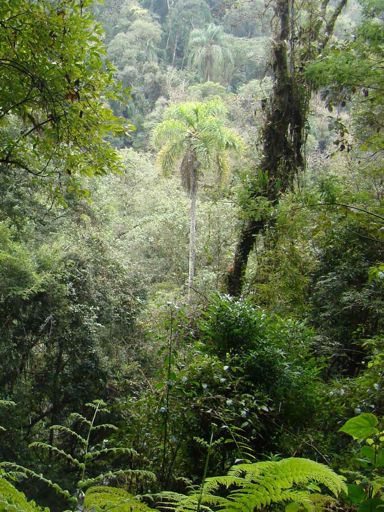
209 51
194 139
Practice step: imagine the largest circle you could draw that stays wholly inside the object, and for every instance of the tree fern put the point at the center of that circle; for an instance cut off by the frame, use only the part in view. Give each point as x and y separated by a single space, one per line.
86 452
103 499
255 486
16 471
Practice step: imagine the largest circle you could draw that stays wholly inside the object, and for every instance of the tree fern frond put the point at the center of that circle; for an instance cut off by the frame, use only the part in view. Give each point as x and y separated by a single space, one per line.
75 416
67 430
212 484
139 474
58 451
288 472
110 451
182 503
105 426
29 473
103 499
250 499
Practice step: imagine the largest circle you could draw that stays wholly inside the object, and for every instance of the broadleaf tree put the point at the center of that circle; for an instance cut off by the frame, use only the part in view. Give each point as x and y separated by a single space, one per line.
55 88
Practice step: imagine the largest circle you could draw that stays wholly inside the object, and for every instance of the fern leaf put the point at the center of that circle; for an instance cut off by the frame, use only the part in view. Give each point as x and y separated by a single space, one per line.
12 500
66 430
258 485
105 426
139 474
79 417
182 503
29 473
214 483
101 499
112 451
58 451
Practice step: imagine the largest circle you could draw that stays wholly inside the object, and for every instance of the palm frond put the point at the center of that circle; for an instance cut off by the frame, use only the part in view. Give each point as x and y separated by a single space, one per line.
210 53
169 155
170 129
193 138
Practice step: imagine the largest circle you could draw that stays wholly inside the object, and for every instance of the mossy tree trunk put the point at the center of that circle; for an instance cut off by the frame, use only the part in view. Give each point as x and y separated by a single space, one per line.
283 133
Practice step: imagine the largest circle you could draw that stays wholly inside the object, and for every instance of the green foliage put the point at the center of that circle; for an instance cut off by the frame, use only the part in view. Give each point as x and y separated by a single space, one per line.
273 354
87 453
16 471
256 486
83 285
6 404
55 87
200 129
352 70
135 50
210 53
361 427
12 500
184 16
61 300
367 490
101 499
246 18
250 373
230 325
345 302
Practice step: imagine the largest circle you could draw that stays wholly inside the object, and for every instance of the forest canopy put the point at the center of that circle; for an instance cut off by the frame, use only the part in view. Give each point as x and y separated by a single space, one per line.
191 255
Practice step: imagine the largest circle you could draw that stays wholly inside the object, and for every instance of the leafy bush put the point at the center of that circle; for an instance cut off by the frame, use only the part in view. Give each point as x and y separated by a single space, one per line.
272 354
367 490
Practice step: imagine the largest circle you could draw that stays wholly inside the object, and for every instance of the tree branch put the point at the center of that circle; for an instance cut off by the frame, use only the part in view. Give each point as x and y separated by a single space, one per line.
330 24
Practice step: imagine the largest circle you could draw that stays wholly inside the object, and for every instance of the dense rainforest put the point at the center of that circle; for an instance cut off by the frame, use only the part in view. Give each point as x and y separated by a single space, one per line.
191 255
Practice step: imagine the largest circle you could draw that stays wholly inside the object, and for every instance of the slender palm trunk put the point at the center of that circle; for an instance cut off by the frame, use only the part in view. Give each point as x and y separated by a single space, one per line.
192 232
